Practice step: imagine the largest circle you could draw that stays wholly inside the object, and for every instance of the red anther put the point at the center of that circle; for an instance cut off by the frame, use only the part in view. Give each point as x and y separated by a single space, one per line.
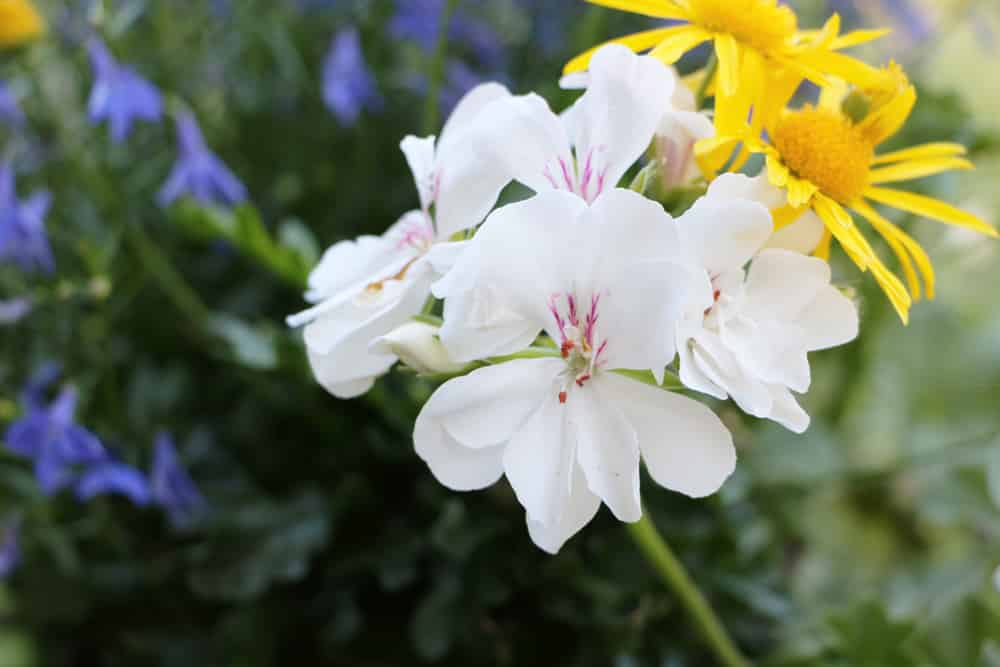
562 397
583 378
716 295
566 347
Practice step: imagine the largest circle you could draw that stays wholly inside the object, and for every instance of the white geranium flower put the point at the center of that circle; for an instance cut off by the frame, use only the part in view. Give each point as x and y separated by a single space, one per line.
365 288
590 147
681 127
748 333
607 284
793 230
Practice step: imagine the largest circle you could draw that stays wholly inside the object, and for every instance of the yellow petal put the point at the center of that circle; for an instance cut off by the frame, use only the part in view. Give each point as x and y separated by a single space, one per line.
657 9
786 215
887 120
823 249
728 54
896 236
639 41
907 171
800 191
675 45
922 152
777 173
856 38
930 208
893 288
713 153
841 66
842 226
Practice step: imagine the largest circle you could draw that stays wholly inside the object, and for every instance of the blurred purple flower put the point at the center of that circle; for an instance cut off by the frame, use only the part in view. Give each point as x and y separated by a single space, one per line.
112 477
22 226
910 18
198 172
13 311
48 435
10 110
348 84
119 95
420 21
10 549
172 487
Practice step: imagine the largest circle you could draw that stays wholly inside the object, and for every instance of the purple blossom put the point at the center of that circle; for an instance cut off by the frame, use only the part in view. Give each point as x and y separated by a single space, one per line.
64 453
119 95
22 226
348 84
420 21
198 172
10 110
172 487
10 549
13 311
112 477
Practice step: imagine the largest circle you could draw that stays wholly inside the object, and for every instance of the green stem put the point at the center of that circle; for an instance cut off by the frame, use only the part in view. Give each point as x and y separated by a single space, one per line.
711 67
170 279
432 109
656 551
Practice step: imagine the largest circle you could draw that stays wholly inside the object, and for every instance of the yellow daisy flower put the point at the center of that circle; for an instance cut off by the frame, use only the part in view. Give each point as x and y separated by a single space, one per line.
758 46
19 22
825 158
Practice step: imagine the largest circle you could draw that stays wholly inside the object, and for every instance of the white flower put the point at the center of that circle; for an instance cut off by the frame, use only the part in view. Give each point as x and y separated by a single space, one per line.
681 127
589 148
365 288
748 333
417 345
607 284
797 231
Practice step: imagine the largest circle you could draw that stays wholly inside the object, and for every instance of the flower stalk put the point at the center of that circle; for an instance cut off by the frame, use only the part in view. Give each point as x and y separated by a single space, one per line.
675 576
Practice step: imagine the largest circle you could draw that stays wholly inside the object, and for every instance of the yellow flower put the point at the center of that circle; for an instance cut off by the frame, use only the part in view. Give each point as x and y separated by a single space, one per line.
825 158
19 22
758 45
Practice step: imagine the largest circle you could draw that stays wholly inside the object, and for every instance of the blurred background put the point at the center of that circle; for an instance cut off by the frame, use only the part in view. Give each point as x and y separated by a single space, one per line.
171 172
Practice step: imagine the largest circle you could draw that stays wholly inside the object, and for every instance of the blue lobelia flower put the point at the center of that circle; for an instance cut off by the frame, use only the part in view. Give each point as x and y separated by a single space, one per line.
64 453
348 84
120 95
418 21
14 310
172 487
10 549
198 172
22 226
10 110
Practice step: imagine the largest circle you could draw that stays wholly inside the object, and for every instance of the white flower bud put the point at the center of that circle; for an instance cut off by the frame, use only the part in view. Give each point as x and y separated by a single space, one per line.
417 345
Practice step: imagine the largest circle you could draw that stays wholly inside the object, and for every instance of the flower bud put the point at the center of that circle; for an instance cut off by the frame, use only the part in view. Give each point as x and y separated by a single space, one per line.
417 345
676 137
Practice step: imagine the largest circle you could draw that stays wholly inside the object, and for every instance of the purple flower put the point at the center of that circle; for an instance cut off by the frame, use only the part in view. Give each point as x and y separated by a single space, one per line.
348 84
10 110
172 487
910 18
119 94
112 477
198 173
22 226
48 435
10 550
418 21
13 311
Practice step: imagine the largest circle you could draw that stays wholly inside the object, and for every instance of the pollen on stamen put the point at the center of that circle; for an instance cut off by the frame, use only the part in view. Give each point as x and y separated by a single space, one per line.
562 397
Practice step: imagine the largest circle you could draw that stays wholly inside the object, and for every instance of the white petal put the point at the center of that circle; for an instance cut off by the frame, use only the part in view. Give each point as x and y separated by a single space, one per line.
479 324
575 81
787 410
579 508
781 283
470 106
620 111
717 361
529 143
691 374
419 154
684 444
772 351
539 461
452 464
343 390
338 341
801 236
831 319
347 263
469 182
685 126
486 407
757 189
607 448
725 233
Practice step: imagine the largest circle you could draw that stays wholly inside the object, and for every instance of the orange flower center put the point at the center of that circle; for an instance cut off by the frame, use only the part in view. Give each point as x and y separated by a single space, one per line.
761 24
826 149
